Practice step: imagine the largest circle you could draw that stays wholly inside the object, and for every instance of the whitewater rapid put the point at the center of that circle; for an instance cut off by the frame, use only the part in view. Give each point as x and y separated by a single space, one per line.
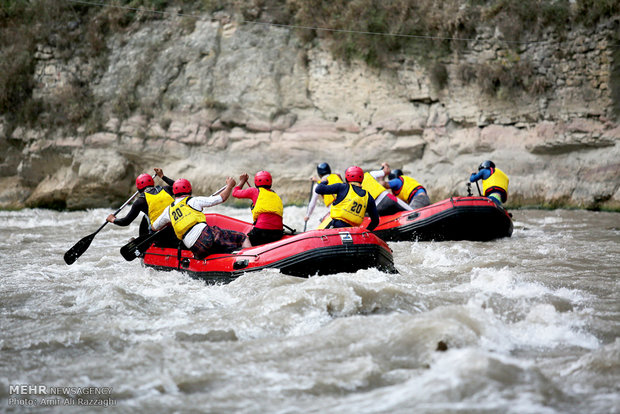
530 323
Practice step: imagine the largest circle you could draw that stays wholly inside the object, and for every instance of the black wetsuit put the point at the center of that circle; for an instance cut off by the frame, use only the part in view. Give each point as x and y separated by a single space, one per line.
167 237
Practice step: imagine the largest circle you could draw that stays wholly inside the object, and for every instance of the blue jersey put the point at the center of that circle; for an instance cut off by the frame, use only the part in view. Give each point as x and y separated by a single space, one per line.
485 173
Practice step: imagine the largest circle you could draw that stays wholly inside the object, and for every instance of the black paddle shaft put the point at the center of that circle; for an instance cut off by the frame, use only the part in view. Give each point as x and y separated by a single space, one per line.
478 187
80 247
309 199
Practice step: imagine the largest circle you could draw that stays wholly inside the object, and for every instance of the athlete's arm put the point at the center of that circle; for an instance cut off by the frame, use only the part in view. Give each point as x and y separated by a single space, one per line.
312 203
251 193
162 220
377 174
371 209
199 203
330 189
484 174
136 208
167 180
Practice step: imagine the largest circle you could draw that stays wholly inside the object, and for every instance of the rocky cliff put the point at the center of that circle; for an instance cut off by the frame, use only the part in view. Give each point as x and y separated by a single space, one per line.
212 98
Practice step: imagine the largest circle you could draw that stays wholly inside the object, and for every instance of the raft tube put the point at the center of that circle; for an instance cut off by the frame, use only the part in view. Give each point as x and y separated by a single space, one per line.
315 252
457 218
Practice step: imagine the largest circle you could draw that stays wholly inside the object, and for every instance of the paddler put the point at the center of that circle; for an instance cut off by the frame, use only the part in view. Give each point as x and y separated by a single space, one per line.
324 172
267 208
351 203
189 222
387 203
408 189
152 201
494 182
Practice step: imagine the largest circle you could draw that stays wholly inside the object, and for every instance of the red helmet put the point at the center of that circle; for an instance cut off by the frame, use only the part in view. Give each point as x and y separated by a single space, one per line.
262 178
354 174
181 186
143 181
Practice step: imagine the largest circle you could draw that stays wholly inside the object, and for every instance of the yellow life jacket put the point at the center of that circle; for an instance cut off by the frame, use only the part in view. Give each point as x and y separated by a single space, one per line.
329 198
157 203
496 183
184 217
410 186
371 185
352 208
267 202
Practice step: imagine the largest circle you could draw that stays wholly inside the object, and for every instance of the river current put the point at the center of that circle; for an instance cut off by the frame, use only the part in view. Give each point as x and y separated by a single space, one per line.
527 324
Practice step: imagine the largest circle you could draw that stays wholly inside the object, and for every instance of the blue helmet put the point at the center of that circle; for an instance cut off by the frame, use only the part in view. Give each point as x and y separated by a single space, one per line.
323 169
486 164
395 174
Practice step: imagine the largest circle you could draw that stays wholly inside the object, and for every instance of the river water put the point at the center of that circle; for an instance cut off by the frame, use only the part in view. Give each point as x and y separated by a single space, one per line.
531 325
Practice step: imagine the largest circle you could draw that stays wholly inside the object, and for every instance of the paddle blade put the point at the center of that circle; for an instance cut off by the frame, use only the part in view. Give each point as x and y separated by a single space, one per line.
130 251
137 247
78 249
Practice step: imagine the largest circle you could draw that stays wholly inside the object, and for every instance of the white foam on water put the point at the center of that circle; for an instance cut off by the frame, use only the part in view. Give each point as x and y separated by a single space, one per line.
545 327
503 281
526 320
439 255
548 220
297 306
459 380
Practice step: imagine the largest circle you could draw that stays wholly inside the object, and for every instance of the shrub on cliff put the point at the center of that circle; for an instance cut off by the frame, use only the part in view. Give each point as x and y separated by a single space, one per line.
372 30
74 27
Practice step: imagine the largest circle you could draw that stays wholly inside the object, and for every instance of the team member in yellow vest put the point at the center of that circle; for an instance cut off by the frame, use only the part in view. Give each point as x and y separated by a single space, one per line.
267 208
352 202
152 201
494 182
325 174
189 222
387 203
409 190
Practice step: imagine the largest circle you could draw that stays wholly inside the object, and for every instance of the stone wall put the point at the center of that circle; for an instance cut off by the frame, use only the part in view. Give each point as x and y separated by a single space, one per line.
217 99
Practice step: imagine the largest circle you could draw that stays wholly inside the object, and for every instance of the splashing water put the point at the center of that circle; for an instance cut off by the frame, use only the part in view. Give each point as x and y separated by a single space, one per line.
524 324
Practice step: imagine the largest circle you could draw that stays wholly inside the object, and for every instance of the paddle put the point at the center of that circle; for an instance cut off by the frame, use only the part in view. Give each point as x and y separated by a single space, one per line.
80 247
478 187
309 199
138 246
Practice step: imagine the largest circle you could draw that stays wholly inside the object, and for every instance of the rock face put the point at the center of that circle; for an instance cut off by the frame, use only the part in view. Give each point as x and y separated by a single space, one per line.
218 99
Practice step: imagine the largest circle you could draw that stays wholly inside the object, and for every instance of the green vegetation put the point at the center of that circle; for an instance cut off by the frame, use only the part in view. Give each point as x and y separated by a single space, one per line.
503 79
73 30
372 30
432 29
426 25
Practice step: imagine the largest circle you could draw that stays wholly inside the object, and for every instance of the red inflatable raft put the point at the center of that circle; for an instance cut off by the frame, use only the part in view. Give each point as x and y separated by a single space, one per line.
316 252
457 218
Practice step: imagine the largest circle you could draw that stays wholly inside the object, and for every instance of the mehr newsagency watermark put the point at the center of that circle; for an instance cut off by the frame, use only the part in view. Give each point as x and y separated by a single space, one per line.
34 395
